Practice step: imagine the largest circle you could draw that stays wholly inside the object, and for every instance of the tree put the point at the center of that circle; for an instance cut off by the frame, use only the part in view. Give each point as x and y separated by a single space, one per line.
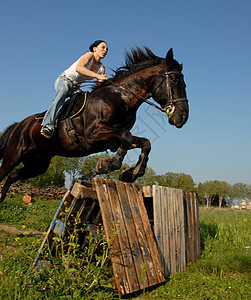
249 192
73 165
206 191
201 192
177 181
221 189
149 178
239 190
87 169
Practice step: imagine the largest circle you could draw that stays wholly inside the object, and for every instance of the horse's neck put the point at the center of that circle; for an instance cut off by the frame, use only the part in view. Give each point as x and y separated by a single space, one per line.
136 89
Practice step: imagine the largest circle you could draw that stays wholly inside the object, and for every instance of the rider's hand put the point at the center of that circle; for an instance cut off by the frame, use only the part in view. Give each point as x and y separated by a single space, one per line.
101 77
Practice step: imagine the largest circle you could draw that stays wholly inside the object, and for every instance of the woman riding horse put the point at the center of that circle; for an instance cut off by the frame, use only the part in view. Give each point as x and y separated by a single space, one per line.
105 123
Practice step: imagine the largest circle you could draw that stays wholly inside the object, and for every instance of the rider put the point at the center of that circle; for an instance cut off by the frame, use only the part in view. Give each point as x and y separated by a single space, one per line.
87 67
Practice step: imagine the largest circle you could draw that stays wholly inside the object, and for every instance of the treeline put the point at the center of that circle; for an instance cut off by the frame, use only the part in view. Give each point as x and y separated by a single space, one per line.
211 193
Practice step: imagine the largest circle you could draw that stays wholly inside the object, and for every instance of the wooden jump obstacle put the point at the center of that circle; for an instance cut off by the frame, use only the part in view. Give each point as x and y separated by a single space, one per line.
157 228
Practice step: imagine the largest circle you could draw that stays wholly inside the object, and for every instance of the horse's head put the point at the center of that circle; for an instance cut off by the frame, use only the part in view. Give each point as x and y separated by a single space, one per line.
169 90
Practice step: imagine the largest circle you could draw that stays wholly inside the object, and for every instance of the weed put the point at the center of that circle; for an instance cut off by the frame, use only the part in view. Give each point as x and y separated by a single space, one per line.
223 272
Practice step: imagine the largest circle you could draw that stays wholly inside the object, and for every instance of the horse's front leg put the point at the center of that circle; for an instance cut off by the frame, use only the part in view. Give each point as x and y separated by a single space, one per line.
131 174
107 165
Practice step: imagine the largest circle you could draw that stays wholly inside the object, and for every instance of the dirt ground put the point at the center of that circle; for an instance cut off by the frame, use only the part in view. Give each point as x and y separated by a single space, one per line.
13 230
7 230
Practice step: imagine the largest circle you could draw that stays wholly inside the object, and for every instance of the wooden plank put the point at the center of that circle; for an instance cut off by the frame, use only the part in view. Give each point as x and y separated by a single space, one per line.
190 222
193 226
79 191
126 234
150 277
149 235
188 226
147 191
198 228
47 241
157 207
165 230
171 223
176 229
120 277
182 231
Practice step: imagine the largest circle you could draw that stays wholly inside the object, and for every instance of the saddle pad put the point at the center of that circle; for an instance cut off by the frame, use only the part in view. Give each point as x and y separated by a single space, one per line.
71 108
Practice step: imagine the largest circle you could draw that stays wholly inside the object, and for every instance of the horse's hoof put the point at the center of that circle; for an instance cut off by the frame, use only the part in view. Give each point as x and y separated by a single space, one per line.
102 166
127 175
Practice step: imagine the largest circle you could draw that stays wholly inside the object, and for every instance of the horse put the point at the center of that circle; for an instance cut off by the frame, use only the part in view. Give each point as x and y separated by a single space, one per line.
104 123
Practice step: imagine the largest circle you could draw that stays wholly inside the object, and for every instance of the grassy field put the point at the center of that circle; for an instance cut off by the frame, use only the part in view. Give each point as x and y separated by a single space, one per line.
223 272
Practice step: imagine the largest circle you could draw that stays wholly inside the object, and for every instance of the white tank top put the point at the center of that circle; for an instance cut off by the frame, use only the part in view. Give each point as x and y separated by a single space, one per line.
76 77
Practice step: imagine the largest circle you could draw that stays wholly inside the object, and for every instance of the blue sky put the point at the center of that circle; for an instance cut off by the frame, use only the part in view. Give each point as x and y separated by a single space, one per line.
39 40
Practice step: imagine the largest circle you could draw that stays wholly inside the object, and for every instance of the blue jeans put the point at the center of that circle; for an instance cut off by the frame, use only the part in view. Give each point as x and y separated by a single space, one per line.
62 87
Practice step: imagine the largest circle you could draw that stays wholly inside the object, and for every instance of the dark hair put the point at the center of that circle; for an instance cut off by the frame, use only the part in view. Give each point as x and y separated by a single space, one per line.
95 44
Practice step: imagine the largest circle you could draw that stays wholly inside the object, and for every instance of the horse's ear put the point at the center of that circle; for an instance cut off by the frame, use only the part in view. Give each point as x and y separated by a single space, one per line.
169 56
181 67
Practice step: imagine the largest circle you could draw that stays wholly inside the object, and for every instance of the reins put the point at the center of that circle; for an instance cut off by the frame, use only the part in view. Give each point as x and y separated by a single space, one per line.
169 110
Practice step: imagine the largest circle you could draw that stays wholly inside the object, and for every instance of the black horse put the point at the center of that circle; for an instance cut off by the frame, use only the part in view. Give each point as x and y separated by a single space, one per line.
104 123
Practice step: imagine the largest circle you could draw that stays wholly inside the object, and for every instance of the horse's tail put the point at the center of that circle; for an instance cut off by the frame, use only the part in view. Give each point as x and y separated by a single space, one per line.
5 137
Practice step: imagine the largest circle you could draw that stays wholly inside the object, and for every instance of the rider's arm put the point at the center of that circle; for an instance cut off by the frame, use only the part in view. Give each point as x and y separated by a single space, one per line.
83 61
102 73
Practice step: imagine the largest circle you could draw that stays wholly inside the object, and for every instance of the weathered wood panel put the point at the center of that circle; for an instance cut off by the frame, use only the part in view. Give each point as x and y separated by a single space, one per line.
191 207
128 229
176 226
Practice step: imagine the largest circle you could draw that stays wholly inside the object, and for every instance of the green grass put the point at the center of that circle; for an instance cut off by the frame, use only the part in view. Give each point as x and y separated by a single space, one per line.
70 275
223 272
37 216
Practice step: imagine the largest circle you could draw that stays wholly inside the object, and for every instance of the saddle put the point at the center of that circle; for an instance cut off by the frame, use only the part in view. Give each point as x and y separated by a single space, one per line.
72 107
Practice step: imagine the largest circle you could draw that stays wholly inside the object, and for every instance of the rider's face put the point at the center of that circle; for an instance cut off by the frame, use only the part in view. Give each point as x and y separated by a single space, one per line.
101 50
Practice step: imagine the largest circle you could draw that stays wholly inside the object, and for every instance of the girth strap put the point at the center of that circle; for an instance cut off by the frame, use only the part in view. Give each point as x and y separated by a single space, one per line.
78 140
72 133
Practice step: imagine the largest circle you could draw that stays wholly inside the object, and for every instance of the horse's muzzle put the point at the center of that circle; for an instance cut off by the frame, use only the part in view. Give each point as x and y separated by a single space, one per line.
178 120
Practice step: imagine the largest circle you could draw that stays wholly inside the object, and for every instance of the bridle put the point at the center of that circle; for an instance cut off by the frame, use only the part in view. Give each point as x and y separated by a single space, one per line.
169 110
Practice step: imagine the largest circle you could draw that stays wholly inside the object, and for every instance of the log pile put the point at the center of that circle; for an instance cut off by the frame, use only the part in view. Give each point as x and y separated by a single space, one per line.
48 193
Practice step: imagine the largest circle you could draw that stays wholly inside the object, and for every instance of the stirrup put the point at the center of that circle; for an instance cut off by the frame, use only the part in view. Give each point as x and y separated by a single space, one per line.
47 132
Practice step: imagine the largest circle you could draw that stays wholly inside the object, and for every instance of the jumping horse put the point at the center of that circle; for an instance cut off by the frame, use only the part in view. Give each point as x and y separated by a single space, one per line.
104 123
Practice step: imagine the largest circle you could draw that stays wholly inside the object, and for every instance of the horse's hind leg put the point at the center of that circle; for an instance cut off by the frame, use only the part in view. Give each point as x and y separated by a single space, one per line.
11 179
33 166
11 158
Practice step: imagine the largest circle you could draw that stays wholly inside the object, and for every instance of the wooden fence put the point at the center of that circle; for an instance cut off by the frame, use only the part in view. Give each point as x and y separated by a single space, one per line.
175 217
157 228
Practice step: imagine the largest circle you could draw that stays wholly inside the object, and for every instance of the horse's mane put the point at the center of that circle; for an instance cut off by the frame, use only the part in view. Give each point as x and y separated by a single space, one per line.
135 60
